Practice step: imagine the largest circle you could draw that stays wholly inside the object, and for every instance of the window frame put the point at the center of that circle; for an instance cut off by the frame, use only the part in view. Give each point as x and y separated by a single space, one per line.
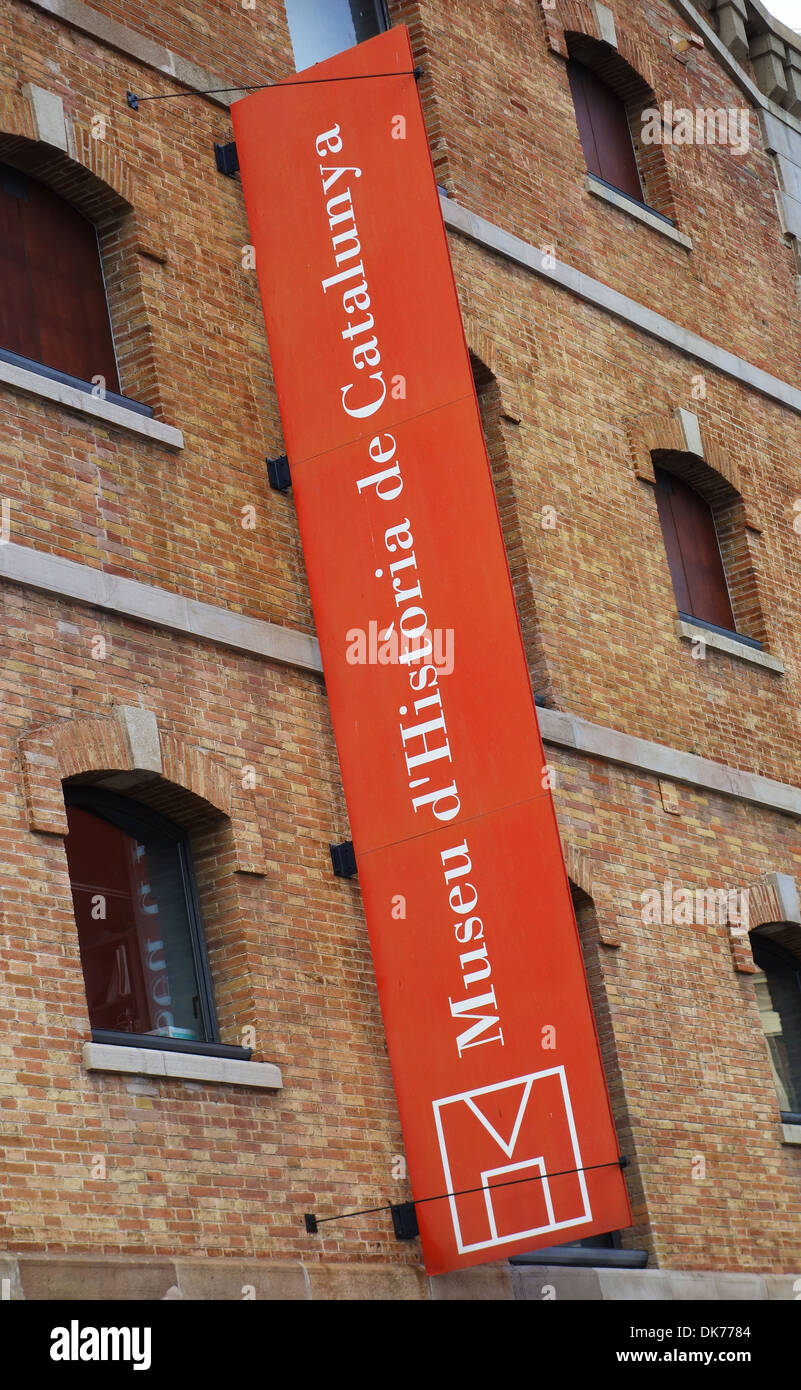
577 74
55 290
783 957
382 15
134 817
16 181
614 65
666 482
29 364
591 1252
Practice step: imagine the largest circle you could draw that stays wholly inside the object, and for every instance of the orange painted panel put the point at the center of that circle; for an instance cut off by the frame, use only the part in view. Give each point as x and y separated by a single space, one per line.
501 1092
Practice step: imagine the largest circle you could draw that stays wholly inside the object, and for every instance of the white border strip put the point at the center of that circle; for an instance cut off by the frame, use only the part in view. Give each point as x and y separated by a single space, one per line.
601 296
595 741
128 598
21 564
153 55
466 1096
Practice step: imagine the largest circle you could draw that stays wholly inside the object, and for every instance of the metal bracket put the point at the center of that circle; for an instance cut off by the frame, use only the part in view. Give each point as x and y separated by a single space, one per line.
404 1221
344 859
278 474
226 159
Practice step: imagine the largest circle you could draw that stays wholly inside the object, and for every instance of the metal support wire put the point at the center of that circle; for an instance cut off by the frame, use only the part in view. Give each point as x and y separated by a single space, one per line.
133 100
312 1222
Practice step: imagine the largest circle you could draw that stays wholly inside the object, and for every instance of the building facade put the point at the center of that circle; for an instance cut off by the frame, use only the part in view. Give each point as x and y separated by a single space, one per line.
193 1057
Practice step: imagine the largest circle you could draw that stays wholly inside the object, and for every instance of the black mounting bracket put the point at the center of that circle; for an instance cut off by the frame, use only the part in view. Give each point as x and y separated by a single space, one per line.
404 1220
278 474
133 101
226 159
344 859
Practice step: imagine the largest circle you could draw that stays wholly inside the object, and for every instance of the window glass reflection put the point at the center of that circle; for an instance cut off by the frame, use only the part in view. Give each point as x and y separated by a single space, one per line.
321 28
129 894
778 991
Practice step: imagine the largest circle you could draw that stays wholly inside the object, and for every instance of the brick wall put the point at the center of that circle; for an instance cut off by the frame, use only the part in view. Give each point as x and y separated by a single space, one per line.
513 154
565 389
191 1167
604 601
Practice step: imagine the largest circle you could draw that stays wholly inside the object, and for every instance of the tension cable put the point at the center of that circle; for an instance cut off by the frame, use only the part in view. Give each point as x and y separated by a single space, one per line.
312 1222
134 100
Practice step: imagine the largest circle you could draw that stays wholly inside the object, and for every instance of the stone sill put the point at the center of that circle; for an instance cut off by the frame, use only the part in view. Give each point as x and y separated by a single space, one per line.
32 384
692 632
180 1066
641 214
791 1134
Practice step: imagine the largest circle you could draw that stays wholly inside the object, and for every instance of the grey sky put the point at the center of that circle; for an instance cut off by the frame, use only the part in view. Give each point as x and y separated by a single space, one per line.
788 11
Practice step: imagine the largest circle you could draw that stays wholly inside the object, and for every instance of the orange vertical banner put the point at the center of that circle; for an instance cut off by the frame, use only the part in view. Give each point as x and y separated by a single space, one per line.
494 1053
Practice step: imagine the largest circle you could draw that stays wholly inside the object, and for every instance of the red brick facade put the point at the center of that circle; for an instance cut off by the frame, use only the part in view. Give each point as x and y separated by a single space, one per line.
577 403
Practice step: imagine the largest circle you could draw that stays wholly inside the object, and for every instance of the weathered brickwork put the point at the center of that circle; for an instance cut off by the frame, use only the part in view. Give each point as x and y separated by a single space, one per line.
685 1055
94 493
601 587
514 155
187 1166
577 405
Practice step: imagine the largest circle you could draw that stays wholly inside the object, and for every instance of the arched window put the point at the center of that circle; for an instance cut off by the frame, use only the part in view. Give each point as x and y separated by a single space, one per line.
139 930
604 130
53 308
778 991
693 552
321 28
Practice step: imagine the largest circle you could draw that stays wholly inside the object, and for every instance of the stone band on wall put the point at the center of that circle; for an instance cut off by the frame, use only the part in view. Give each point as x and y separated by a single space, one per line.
60 1277
131 599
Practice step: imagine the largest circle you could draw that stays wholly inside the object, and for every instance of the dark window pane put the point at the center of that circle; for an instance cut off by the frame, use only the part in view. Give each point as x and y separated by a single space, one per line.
52 297
133 928
575 72
664 503
604 130
321 28
693 553
779 998
17 318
